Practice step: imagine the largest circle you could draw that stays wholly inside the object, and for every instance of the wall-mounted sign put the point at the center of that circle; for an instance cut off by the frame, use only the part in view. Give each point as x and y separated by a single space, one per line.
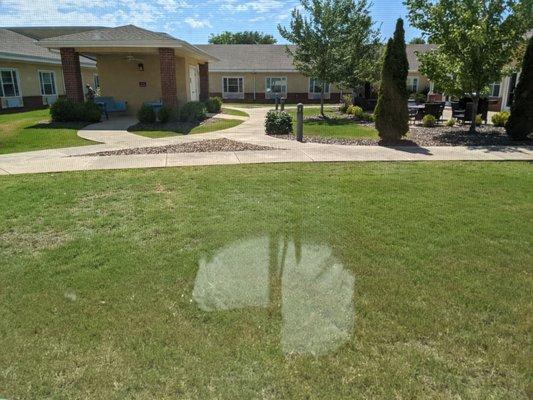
142 84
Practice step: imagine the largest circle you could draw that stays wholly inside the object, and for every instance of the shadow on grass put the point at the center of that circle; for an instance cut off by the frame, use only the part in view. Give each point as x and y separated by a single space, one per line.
183 128
58 125
405 145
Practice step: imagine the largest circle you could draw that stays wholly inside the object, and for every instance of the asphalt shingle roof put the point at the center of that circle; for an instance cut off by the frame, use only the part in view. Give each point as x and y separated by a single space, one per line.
44 32
15 44
121 33
272 57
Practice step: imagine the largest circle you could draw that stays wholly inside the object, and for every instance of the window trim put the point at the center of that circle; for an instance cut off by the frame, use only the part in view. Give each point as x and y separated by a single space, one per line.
316 95
499 84
45 71
18 84
269 95
233 95
411 84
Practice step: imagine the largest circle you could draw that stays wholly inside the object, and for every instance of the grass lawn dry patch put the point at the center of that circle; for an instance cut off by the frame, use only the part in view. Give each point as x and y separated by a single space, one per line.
33 130
159 130
105 277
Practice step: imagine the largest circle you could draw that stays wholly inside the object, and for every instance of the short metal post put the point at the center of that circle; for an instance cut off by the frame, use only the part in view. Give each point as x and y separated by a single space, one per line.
300 122
277 103
282 104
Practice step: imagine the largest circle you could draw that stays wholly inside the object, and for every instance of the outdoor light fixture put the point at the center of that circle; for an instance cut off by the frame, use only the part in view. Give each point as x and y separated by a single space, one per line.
140 67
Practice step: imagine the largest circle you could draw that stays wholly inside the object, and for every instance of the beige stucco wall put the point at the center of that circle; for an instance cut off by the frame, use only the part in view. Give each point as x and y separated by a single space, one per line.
120 78
28 75
296 83
423 81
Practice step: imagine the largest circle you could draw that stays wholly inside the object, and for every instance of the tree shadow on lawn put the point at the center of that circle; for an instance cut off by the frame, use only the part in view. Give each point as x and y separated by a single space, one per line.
405 145
58 125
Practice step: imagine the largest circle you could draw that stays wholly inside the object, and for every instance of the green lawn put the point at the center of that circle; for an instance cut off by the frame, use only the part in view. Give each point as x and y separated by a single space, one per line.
33 130
231 111
412 280
343 129
172 129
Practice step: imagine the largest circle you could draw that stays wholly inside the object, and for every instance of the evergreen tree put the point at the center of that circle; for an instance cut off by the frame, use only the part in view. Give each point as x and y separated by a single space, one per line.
520 122
392 115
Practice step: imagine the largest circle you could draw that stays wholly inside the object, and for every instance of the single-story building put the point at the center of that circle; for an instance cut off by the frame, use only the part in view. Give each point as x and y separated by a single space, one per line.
32 76
135 65
259 72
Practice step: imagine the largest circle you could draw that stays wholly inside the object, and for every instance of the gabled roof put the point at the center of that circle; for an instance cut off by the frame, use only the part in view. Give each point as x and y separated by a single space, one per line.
17 47
273 57
250 57
122 36
43 32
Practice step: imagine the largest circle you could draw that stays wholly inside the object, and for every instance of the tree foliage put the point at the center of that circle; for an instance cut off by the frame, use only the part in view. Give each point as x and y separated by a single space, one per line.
520 123
245 37
392 115
361 49
417 40
476 41
326 34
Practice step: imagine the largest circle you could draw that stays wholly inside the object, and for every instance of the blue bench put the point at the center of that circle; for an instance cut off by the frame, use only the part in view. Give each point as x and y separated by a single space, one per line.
156 105
108 104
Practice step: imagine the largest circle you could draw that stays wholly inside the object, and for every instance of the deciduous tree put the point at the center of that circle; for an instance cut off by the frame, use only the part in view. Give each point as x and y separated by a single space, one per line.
246 37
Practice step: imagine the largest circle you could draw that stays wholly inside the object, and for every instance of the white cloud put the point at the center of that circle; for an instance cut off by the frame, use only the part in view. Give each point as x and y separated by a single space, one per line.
198 23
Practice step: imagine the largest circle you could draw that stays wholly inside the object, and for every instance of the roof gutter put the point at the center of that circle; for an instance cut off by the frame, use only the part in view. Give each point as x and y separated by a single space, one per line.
43 60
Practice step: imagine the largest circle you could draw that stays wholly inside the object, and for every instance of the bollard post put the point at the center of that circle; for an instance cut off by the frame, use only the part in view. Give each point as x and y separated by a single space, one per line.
282 104
300 122
277 103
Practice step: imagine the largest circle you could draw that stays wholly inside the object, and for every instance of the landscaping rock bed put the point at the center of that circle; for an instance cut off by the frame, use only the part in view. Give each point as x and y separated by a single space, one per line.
201 146
486 135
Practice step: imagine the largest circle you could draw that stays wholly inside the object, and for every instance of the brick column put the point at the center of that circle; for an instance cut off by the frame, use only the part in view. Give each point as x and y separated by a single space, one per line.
169 92
204 82
70 61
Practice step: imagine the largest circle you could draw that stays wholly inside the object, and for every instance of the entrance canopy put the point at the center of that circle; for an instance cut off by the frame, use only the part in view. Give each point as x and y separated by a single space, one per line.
124 52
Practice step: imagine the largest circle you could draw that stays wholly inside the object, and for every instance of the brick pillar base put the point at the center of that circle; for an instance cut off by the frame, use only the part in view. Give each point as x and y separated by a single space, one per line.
70 61
204 82
169 92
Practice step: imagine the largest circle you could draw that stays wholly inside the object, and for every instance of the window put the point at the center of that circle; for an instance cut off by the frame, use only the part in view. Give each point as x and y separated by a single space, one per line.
315 86
96 81
9 85
495 89
412 84
48 83
233 88
275 86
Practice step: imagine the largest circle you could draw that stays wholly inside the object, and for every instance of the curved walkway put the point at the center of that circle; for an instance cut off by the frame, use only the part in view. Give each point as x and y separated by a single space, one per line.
112 135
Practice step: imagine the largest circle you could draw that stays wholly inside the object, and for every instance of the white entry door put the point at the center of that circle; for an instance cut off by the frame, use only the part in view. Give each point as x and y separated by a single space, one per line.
194 82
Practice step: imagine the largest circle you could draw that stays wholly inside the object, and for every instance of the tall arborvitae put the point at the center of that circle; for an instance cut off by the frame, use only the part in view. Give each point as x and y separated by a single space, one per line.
392 115
520 123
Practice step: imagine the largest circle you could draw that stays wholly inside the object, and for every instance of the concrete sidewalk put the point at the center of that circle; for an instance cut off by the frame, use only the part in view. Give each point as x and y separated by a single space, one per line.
113 136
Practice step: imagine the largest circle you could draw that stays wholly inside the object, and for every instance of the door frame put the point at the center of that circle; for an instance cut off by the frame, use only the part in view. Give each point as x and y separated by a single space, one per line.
196 69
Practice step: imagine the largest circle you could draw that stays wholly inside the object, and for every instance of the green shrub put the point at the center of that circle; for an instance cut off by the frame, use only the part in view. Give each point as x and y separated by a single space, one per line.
90 112
193 111
355 111
368 117
346 103
429 121
165 114
213 105
278 123
479 120
64 110
146 115
451 122
500 119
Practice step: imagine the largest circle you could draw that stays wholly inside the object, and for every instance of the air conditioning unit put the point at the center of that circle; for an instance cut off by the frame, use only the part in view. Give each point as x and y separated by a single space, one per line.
49 100
11 102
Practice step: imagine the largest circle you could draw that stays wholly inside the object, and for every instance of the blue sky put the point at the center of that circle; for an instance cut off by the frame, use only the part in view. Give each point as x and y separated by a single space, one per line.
191 20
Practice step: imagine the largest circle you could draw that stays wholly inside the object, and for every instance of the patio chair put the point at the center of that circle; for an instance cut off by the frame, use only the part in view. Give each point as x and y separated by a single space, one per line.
412 114
434 109
108 105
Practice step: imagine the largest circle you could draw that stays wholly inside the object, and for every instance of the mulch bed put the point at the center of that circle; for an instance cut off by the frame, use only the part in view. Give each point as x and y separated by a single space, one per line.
438 136
201 146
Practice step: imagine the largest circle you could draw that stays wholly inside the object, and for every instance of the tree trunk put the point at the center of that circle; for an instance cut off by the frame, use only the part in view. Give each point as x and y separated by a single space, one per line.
475 102
322 100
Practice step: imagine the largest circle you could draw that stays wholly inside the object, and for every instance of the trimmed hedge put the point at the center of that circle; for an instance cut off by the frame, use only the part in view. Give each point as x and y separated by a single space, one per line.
146 115
278 123
64 110
193 111
165 114
213 105
500 119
